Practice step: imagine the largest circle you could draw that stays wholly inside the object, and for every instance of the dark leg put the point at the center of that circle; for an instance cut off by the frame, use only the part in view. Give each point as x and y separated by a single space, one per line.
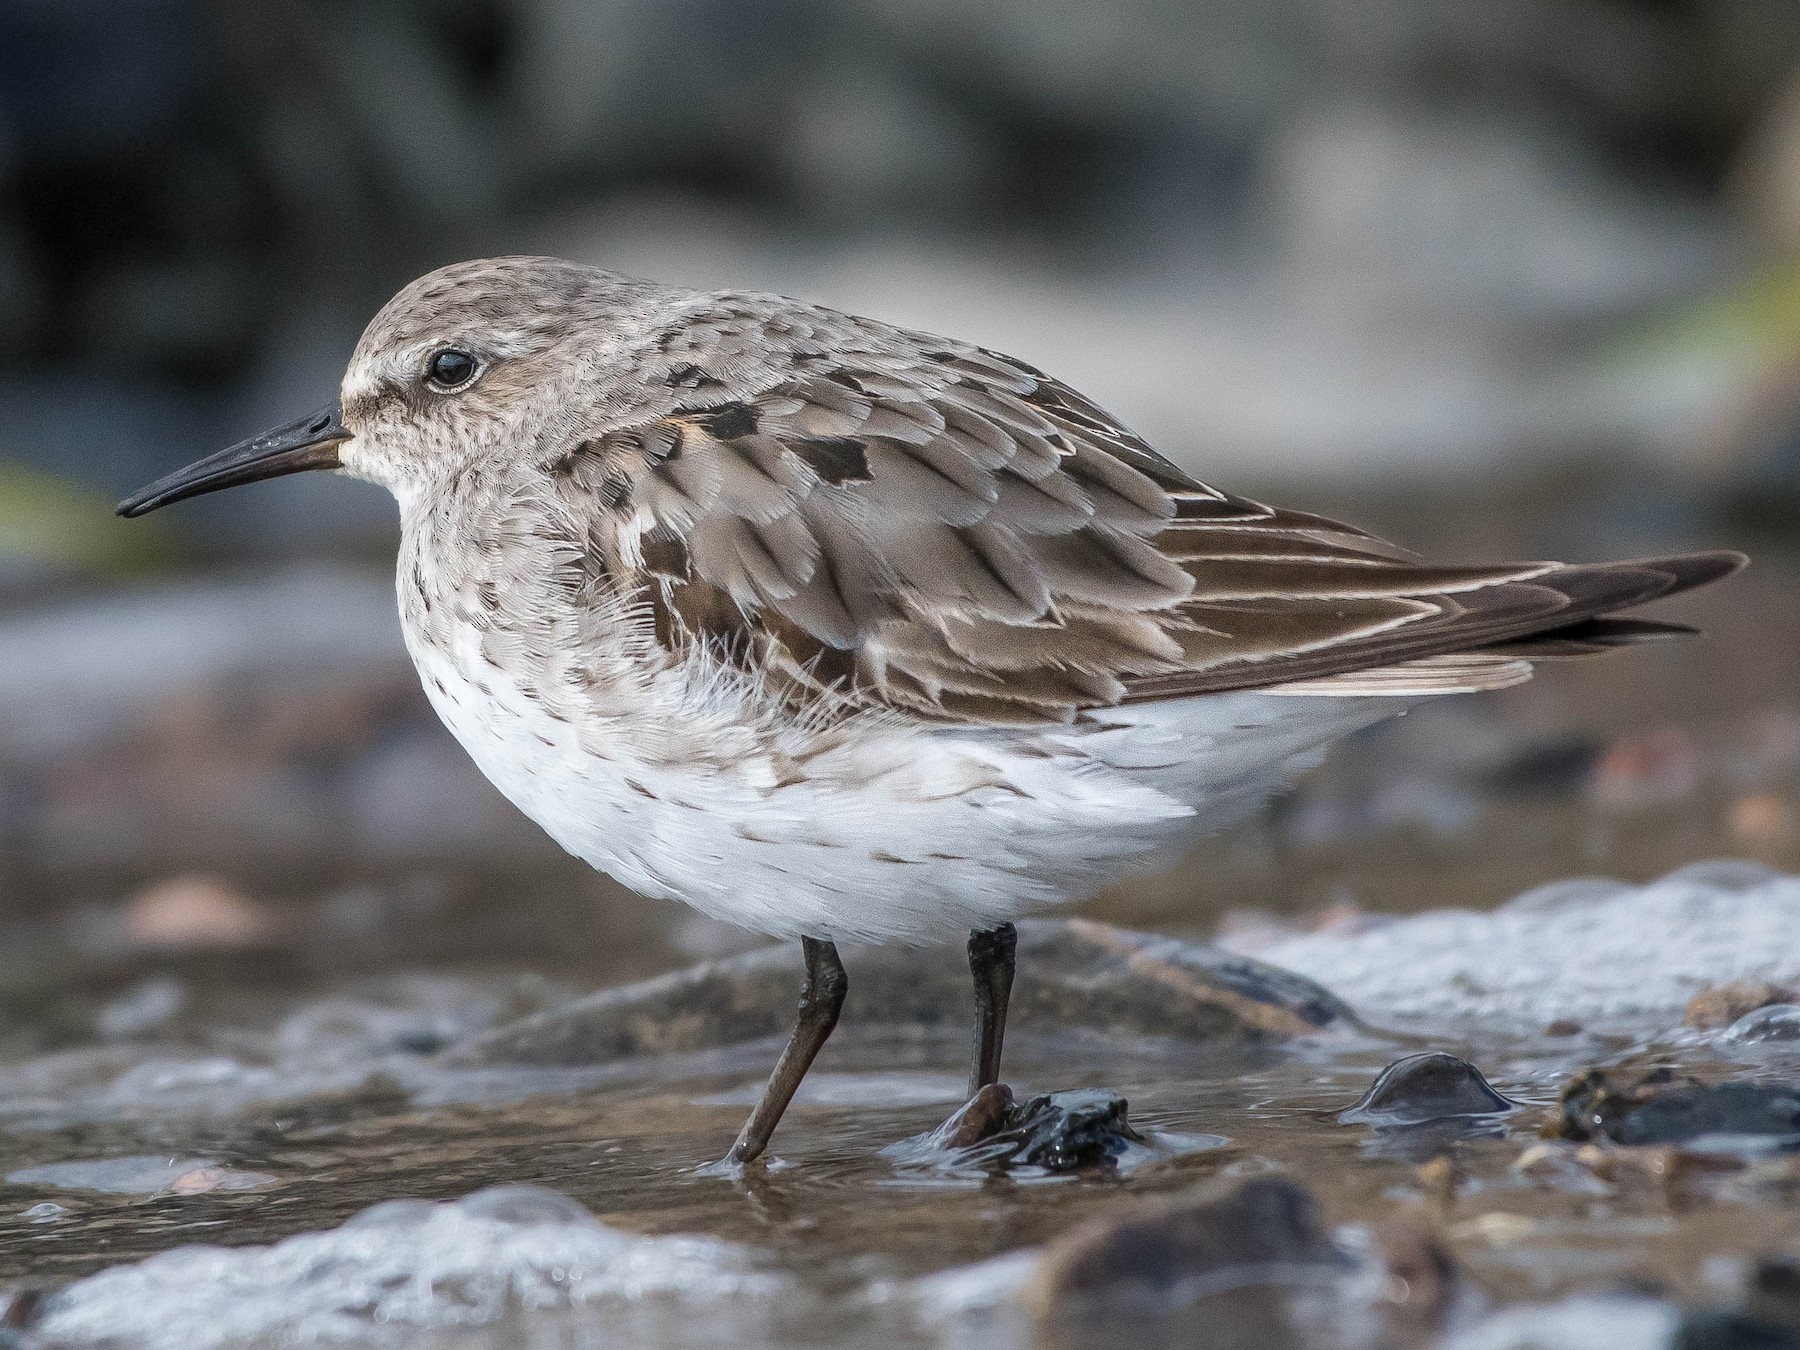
991 963
821 999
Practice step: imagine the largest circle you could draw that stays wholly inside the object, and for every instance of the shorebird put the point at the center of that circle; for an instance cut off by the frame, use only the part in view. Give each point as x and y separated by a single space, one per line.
840 631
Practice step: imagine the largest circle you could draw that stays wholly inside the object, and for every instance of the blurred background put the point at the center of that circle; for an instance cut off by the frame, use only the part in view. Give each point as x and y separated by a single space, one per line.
1494 276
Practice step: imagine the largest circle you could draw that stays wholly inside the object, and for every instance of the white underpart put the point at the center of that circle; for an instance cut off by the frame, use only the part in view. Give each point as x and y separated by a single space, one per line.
894 833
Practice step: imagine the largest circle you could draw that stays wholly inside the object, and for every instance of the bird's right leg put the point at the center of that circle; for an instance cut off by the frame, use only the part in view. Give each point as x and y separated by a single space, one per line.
991 961
821 999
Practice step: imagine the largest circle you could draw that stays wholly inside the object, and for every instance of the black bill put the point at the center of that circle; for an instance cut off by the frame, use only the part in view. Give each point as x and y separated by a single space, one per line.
308 443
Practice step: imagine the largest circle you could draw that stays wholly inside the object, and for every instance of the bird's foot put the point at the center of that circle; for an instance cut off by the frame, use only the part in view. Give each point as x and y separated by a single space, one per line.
733 1168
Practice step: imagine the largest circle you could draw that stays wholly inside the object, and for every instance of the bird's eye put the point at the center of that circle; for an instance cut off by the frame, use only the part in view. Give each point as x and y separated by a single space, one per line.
450 369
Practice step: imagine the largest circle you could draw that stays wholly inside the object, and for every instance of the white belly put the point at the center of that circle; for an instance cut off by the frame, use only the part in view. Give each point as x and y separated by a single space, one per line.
897 834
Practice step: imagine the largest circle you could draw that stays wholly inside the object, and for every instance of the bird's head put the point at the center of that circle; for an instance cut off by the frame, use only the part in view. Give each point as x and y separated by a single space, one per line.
472 361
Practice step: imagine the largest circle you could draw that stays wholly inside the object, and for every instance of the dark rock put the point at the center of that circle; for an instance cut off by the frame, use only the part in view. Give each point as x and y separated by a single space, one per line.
1772 1292
1058 1131
1207 1268
1072 973
1062 1131
1716 1329
1718 1007
1766 1317
1427 1087
1658 1108
1265 1224
1544 769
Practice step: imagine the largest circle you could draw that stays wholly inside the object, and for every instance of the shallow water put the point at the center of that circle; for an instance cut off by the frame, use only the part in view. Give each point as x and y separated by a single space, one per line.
113 1155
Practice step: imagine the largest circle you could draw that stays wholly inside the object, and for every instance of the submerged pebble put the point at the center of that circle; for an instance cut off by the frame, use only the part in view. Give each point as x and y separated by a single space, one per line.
1427 1087
155 1174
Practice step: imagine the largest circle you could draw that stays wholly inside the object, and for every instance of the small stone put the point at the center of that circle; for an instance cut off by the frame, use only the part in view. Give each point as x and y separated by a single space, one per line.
1724 1004
1427 1087
200 1180
1539 1157
527 1205
192 912
1440 1180
1563 1026
1500 1228
1761 818
1063 1131
1268 1225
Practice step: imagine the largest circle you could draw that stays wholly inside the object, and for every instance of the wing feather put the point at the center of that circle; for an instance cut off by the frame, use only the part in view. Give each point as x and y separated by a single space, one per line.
943 531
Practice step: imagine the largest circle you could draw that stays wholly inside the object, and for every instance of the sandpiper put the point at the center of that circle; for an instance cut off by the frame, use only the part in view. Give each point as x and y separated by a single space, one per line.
839 631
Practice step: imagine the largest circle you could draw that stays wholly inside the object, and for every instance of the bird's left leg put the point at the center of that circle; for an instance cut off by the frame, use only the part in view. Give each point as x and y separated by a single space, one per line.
821 1000
991 963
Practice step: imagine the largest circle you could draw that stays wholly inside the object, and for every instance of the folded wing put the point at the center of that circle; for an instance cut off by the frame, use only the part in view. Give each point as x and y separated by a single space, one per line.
941 530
